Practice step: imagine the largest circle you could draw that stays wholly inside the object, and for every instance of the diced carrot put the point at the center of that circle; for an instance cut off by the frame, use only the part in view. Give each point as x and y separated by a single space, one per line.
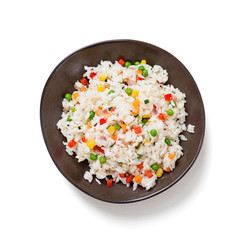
123 126
171 156
129 178
168 97
122 175
136 103
89 126
148 174
138 178
162 117
84 139
135 111
140 166
167 169
75 95
121 62
114 137
83 89
109 183
137 130
139 72
99 112
71 143
84 81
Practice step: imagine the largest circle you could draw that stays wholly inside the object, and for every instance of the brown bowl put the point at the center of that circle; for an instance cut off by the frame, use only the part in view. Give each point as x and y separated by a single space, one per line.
71 69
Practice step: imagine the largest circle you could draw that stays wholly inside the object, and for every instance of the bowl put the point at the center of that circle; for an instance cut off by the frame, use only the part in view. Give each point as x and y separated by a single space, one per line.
71 69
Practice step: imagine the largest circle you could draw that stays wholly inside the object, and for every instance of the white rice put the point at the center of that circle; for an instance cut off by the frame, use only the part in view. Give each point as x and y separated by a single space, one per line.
122 157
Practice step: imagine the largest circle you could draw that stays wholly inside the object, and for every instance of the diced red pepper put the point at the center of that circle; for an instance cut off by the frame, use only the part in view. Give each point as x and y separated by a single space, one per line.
109 183
97 148
148 174
102 121
121 62
84 139
154 106
84 81
137 130
140 166
122 175
113 109
168 97
71 143
129 178
139 78
92 75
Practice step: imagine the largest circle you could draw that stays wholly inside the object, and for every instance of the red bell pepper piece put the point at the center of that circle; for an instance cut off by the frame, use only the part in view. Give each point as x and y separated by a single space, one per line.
97 148
92 75
168 97
140 166
102 121
71 143
122 175
121 62
148 174
109 183
129 178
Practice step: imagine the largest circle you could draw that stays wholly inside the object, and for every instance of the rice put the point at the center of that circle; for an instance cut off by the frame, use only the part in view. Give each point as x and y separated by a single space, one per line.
100 120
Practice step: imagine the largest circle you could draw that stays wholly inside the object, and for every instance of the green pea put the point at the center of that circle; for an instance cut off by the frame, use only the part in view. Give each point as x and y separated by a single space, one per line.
153 132
92 114
144 120
111 91
170 112
93 157
136 63
127 64
167 141
145 72
102 159
73 109
143 124
141 68
155 167
146 101
128 91
68 96
139 156
117 127
69 119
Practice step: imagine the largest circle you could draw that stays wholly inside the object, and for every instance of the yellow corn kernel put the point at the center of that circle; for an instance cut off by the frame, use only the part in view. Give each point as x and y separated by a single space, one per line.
103 77
89 126
143 62
159 172
91 143
146 116
136 103
135 94
171 156
123 126
111 129
75 95
101 88
147 141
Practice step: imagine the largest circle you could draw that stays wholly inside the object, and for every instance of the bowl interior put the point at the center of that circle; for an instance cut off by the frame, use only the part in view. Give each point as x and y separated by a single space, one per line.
71 69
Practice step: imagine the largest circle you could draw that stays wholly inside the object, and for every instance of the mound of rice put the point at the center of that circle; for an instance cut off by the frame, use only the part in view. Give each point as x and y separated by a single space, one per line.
131 150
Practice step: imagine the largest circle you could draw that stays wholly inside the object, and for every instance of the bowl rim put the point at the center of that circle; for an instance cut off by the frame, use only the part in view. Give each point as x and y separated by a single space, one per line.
201 104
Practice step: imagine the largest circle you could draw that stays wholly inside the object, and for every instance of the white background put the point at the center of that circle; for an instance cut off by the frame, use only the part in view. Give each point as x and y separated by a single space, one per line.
37 202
